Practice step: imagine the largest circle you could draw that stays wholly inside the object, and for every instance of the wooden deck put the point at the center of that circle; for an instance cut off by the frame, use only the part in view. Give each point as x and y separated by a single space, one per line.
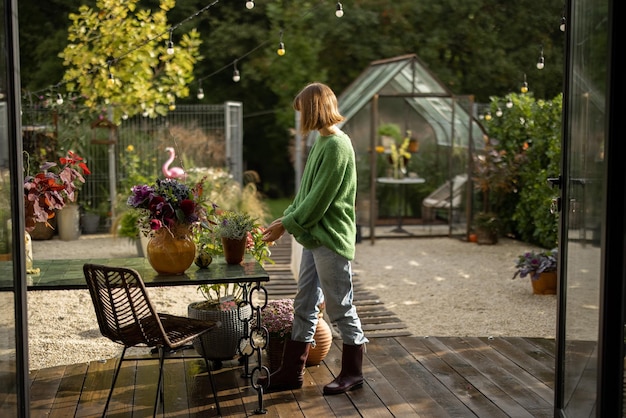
405 376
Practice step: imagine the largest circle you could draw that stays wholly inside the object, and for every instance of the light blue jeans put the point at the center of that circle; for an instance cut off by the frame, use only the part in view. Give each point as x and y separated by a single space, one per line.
325 276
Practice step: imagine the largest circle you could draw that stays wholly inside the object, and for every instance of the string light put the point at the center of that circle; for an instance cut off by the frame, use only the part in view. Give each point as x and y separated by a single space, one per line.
200 94
562 25
59 99
236 76
488 116
171 50
172 105
509 103
281 45
339 10
499 112
524 88
170 44
541 62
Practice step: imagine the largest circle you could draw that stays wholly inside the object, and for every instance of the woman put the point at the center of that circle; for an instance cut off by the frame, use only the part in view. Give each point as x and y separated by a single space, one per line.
322 219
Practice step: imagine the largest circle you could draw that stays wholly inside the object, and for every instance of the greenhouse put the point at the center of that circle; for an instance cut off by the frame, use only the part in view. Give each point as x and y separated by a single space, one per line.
414 142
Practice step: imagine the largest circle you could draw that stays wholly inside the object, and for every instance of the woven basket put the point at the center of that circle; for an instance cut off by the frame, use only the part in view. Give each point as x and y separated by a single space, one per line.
220 343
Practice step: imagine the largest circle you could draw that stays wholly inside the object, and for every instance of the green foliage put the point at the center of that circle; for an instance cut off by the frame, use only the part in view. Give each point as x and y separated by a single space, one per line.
116 55
527 137
234 225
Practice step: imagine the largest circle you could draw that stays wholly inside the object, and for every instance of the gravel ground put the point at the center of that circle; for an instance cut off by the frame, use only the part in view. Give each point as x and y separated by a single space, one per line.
437 286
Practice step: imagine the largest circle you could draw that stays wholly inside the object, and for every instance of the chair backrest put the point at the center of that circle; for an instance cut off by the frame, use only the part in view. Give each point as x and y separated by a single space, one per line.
440 197
124 311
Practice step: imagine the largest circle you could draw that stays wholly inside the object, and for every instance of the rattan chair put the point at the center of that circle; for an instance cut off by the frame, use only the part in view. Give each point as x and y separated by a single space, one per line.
126 316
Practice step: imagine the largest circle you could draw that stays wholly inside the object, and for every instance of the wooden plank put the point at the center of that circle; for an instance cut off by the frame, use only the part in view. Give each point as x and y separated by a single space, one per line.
96 388
43 389
494 368
527 380
423 389
69 391
459 386
458 361
526 356
394 384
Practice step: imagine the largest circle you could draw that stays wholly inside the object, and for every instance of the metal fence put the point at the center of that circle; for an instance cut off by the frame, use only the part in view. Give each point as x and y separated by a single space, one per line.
200 136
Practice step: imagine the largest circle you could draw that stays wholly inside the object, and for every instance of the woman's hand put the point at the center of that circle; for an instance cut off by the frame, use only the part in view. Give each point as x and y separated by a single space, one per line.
274 231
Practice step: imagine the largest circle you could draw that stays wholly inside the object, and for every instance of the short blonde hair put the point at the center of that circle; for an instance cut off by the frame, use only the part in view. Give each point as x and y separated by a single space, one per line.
318 108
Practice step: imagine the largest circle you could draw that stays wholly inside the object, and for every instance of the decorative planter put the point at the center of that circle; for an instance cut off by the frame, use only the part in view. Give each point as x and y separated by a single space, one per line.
90 222
43 232
234 249
545 284
171 251
323 339
275 350
486 237
68 221
222 343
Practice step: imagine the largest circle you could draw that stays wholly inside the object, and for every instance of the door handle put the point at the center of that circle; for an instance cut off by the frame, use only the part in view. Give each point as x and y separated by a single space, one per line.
555 181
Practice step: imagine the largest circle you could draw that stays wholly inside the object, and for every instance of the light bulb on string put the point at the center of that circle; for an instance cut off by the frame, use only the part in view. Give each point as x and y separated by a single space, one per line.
524 88
281 46
509 103
488 116
541 62
200 94
125 116
281 49
59 99
339 10
170 45
250 4
236 76
562 25
172 105
499 112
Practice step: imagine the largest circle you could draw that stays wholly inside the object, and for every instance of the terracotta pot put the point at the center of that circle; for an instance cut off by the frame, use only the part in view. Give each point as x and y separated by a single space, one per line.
323 340
545 284
234 249
171 251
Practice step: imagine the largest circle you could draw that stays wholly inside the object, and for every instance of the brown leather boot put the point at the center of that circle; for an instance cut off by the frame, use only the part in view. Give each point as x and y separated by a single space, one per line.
290 374
351 375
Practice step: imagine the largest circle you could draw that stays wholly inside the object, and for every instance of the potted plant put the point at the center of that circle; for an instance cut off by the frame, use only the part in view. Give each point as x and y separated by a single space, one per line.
541 266
169 208
233 227
222 303
486 228
278 320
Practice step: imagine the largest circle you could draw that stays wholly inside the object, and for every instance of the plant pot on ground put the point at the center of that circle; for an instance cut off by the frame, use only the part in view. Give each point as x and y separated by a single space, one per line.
223 303
541 267
486 227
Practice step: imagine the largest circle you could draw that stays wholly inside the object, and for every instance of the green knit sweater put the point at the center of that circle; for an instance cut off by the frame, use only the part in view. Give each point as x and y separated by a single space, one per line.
322 213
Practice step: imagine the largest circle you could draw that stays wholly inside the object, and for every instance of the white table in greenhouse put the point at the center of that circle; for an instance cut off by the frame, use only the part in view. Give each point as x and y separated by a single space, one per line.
400 184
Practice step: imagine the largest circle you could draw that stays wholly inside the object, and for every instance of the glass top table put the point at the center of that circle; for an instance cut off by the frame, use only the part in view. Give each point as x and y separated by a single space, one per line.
68 274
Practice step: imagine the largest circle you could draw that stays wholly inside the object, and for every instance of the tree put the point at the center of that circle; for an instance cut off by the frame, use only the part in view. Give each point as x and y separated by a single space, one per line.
117 57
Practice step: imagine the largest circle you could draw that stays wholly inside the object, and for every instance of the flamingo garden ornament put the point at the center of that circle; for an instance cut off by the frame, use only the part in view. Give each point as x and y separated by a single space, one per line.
172 172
